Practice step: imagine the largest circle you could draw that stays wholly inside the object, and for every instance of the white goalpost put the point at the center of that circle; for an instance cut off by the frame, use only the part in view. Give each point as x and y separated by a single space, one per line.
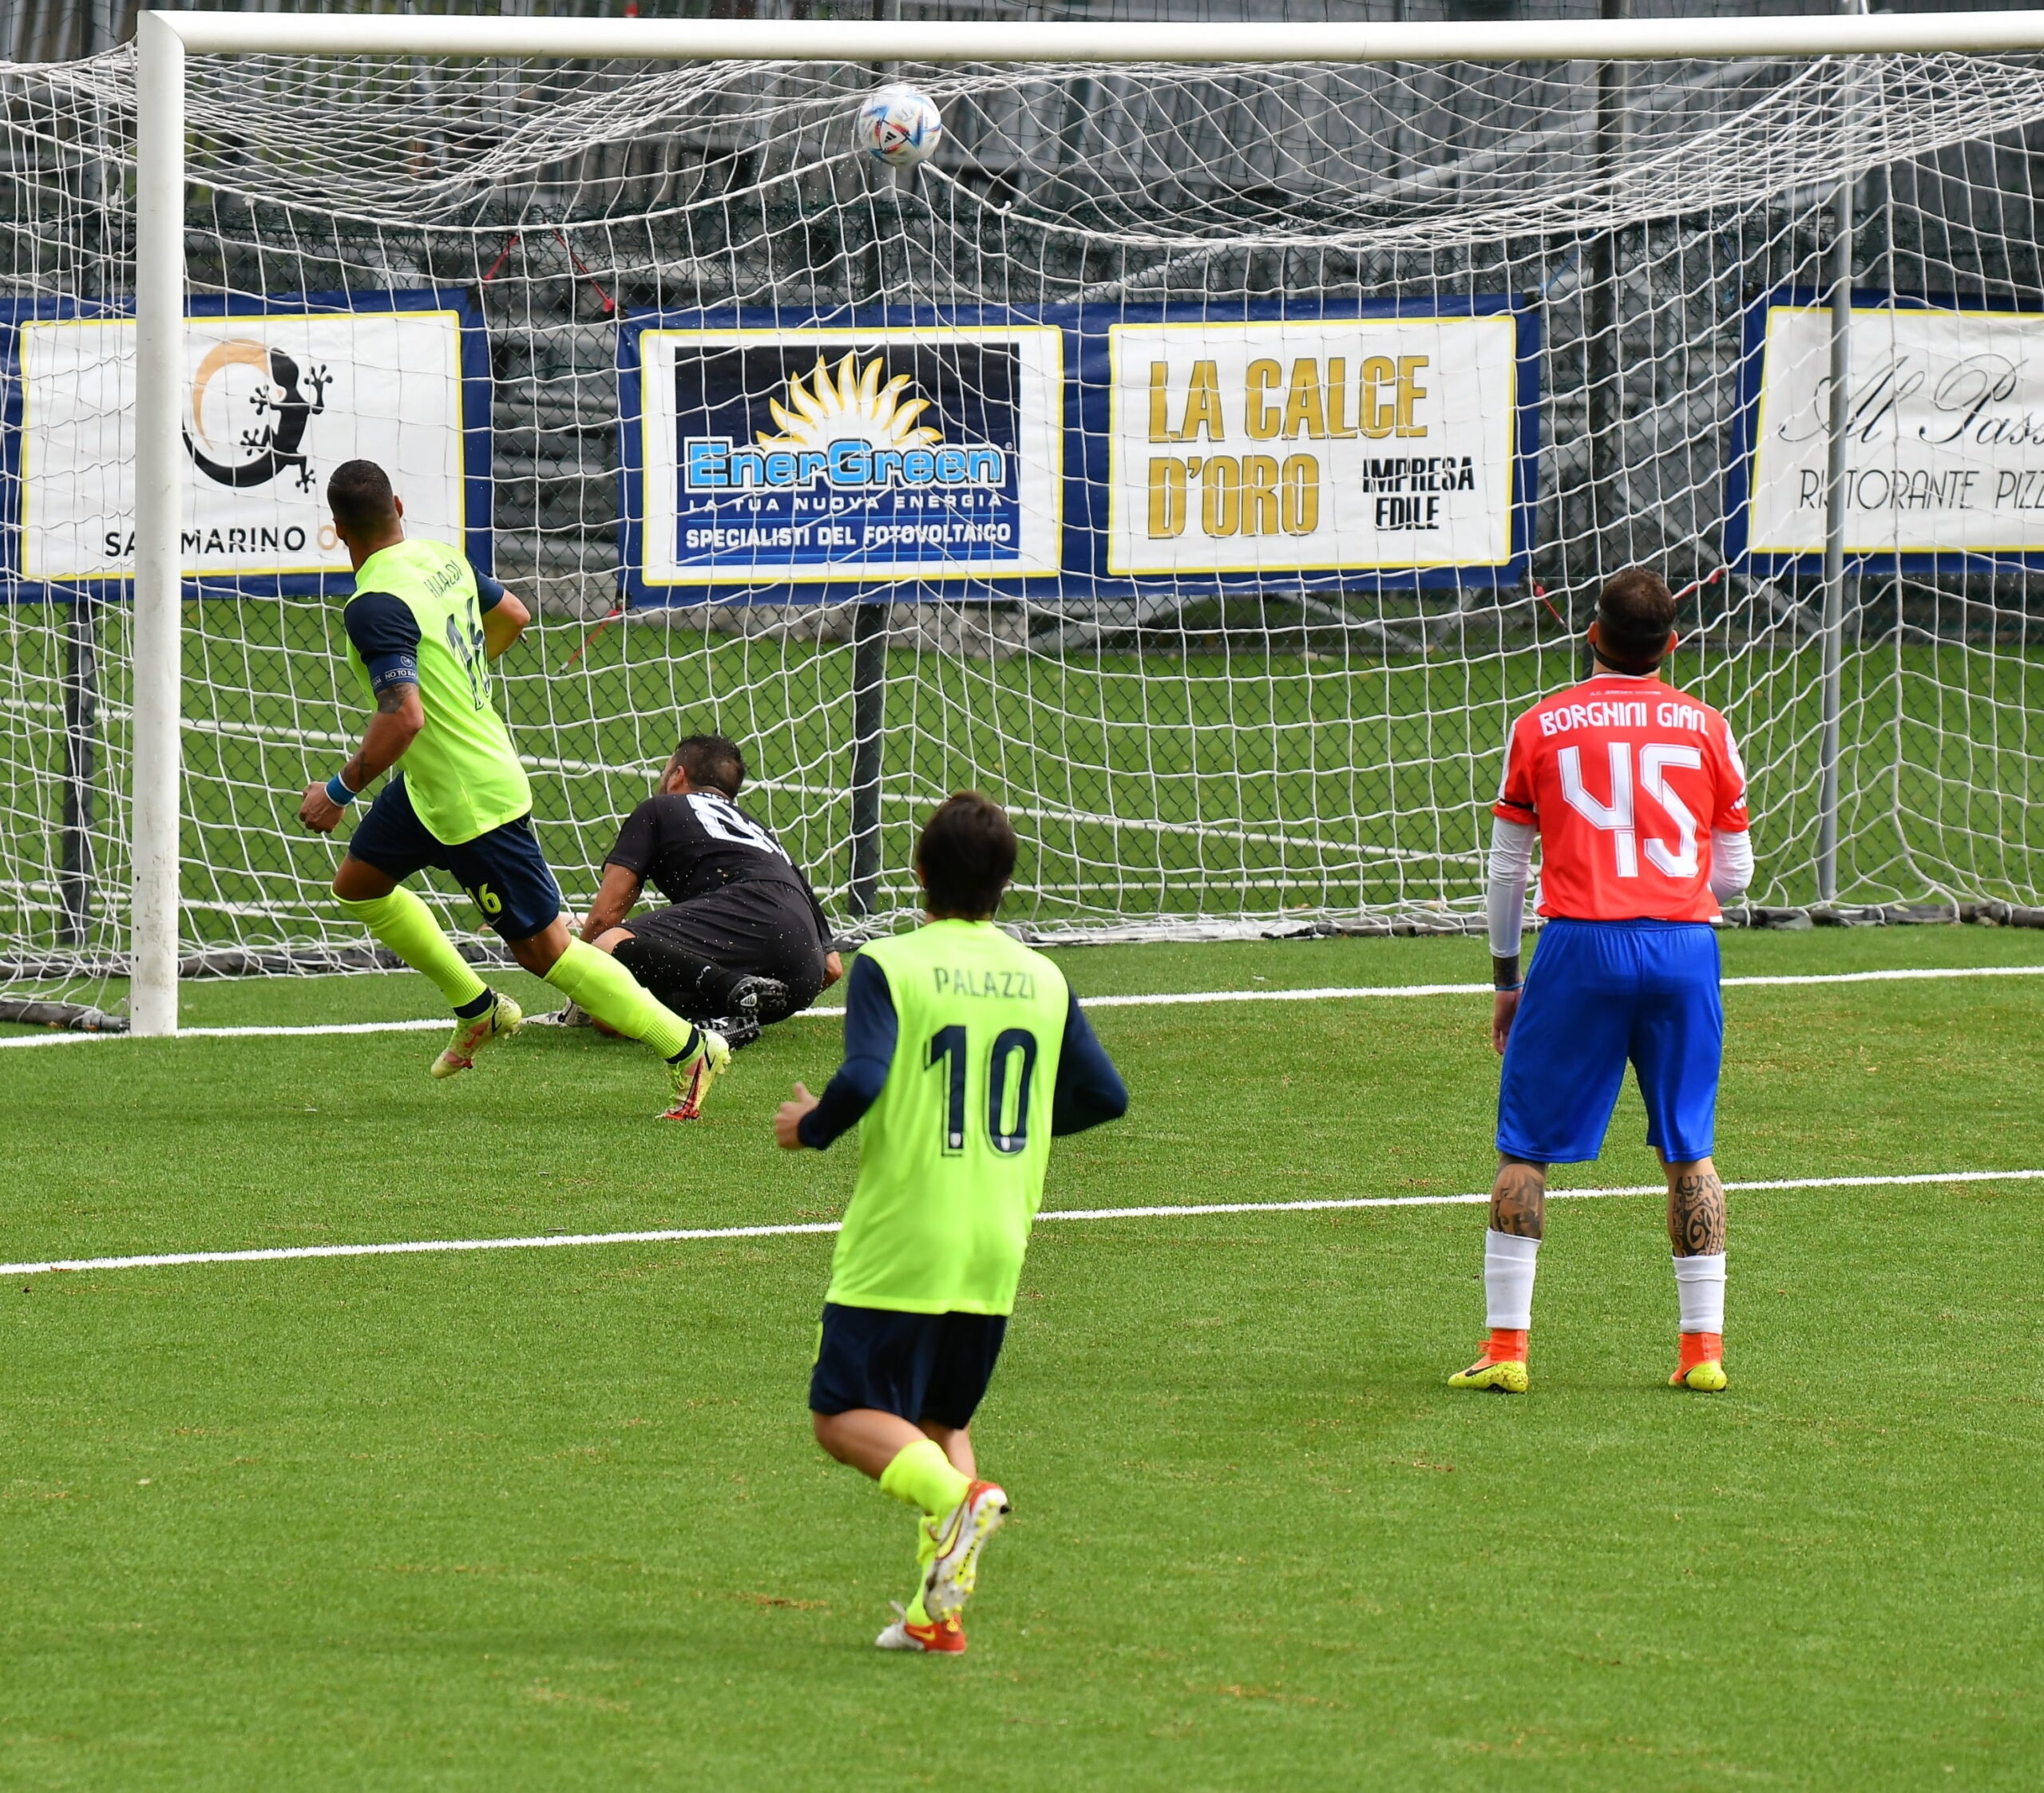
1317 374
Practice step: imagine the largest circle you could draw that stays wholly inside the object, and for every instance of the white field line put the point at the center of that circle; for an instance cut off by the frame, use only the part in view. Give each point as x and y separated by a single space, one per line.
1169 999
160 1260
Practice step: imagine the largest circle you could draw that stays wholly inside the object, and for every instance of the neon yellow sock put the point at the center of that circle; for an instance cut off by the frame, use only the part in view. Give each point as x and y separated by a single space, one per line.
406 925
923 1476
918 1614
618 999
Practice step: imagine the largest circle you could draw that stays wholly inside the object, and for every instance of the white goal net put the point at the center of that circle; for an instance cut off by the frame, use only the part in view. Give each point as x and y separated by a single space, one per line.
1206 462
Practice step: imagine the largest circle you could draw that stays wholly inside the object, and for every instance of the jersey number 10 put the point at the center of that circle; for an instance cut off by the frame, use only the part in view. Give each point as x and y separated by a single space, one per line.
1008 1131
1617 817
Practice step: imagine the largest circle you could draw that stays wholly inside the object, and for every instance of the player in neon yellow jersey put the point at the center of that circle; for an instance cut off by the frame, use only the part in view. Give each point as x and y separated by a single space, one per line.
423 627
964 1052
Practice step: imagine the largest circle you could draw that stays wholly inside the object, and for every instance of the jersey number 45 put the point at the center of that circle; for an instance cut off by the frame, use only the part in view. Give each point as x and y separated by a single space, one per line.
1617 817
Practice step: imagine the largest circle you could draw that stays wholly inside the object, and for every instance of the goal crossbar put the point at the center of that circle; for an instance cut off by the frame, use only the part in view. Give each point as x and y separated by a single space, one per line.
974 40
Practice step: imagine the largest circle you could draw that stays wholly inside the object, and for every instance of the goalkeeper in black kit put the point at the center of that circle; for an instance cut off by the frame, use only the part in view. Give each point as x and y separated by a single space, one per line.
742 937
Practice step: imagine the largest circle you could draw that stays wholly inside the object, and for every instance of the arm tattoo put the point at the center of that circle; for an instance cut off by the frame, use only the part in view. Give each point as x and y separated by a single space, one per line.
1518 1200
391 699
1696 1214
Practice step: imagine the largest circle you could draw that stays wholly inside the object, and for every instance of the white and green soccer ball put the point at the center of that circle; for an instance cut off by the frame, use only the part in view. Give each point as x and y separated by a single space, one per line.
899 126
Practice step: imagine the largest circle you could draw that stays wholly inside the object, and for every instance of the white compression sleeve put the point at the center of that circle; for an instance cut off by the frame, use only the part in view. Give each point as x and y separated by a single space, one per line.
1504 898
1731 863
1699 1293
1509 1262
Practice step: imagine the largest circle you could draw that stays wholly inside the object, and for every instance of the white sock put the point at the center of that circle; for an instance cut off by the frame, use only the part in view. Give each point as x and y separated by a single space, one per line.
1699 1293
1508 1262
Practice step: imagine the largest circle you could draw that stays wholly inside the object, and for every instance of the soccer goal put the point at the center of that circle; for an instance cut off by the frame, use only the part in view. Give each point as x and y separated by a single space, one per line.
1205 449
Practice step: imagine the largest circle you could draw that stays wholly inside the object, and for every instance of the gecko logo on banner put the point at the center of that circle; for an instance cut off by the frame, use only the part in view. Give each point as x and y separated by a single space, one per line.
273 401
804 454
261 450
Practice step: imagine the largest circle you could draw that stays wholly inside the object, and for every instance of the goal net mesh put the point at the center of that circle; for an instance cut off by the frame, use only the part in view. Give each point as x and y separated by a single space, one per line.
1185 753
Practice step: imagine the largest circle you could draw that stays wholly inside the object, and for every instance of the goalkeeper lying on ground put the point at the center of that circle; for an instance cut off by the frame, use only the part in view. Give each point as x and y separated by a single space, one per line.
964 1051
743 941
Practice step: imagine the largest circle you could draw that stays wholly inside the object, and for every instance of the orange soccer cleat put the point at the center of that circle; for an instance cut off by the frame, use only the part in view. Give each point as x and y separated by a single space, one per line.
937 1637
1702 1364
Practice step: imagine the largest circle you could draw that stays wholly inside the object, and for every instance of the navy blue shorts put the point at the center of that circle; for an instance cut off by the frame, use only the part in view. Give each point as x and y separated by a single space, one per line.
918 1367
1600 993
503 871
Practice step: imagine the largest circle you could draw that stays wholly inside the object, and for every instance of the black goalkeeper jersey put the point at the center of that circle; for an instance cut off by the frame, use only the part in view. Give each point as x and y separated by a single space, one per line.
698 842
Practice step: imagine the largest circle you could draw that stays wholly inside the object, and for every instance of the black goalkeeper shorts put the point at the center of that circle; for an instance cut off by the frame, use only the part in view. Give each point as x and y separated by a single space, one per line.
754 930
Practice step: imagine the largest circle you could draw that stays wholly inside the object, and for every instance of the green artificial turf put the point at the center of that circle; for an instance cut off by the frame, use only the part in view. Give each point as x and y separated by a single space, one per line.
552 1518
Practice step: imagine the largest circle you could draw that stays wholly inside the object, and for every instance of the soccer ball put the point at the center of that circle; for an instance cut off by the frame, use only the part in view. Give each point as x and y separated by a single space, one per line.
900 126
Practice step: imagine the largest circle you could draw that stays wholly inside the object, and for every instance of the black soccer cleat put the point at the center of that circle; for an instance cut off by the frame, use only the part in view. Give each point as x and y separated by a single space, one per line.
765 999
739 1030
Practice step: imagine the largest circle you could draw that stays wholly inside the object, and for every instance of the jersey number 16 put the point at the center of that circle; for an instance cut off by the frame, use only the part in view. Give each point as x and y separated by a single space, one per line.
1617 817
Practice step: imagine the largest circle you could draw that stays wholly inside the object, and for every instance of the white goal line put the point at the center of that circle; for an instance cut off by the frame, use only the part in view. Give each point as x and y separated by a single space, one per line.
274 1254
1163 1000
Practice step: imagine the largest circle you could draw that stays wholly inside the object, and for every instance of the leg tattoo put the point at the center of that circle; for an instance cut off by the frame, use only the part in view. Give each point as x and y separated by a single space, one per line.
1519 1199
1696 1209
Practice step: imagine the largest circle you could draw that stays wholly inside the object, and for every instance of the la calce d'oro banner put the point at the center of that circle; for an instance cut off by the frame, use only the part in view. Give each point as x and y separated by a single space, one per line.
1354 444
273 402
1945 435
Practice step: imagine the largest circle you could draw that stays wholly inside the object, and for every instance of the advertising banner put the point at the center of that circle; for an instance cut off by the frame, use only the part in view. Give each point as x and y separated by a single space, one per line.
1359 444
275 399
1079 451
823 454
1944 445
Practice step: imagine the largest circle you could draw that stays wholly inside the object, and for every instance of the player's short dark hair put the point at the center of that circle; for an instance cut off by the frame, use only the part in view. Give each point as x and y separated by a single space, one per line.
967 853
360 496
1635 615
712 762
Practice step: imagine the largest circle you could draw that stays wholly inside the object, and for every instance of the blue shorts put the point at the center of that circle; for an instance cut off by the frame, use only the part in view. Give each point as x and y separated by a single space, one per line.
503 871
1599 993
917 1366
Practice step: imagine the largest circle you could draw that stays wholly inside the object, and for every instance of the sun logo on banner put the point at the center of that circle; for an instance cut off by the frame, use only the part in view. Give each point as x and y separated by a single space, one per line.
265 448
852 405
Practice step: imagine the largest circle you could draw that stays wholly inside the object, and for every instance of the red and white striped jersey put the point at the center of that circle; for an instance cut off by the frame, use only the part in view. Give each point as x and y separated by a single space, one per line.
1625 778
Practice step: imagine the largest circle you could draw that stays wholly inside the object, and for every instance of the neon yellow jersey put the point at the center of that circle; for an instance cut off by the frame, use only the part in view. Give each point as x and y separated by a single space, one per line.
951 1153
461 774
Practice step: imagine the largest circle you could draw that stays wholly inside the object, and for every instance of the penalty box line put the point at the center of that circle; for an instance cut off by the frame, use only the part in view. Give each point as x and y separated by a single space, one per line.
274 1254
1160 1000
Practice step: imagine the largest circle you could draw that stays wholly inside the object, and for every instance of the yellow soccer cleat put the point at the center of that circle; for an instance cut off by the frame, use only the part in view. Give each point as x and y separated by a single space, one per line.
959 1537
1706 1378
1500 1376
692 1078
502 1019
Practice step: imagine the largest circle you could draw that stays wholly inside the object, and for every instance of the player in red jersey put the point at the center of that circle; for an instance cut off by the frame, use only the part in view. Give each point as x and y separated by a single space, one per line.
1637 799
